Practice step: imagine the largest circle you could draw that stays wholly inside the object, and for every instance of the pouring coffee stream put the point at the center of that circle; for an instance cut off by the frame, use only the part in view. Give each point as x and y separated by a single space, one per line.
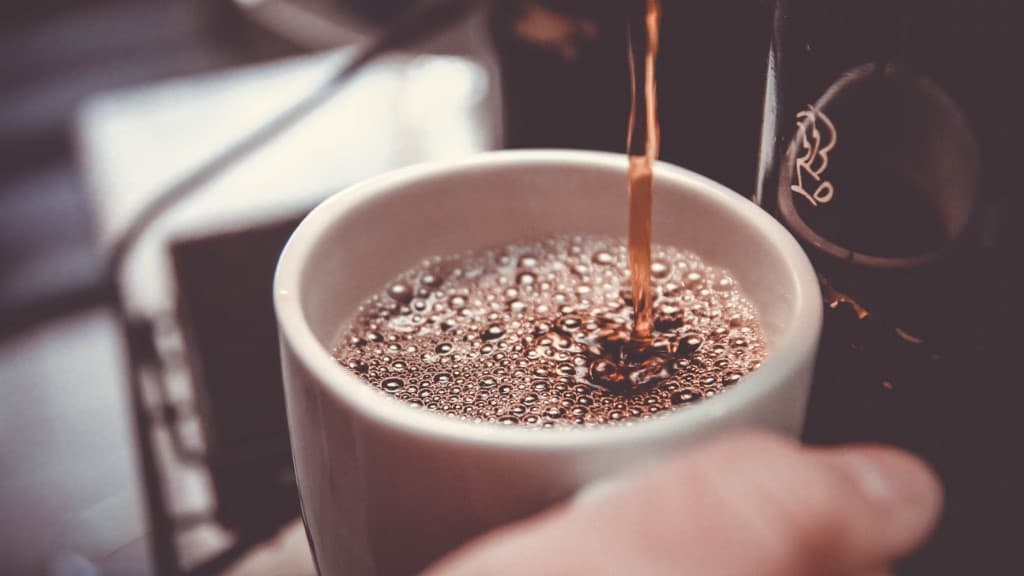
633 361
641 177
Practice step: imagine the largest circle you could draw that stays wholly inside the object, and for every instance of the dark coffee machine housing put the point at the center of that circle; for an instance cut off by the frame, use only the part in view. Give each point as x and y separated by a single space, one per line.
892 151
933 85
566 79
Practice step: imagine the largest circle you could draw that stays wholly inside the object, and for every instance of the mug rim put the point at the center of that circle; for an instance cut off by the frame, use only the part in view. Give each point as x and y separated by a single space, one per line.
796 344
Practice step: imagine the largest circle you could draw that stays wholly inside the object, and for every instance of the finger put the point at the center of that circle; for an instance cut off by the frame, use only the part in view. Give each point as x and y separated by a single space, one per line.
751 504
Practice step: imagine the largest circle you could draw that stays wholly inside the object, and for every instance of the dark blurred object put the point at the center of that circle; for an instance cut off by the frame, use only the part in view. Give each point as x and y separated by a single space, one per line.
48 266
378 12
230 335
18 15
891 150
566 82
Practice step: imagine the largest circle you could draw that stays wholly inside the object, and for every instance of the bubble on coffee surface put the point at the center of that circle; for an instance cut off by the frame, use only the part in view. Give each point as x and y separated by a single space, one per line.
539 334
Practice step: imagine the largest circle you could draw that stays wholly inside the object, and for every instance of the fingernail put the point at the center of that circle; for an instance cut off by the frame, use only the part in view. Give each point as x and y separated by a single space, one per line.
895 480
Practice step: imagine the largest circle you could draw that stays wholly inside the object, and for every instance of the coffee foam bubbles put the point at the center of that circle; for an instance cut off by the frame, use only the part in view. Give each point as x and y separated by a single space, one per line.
539 334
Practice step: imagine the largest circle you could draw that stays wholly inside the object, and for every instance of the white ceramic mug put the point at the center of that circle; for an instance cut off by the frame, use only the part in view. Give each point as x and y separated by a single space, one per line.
387 488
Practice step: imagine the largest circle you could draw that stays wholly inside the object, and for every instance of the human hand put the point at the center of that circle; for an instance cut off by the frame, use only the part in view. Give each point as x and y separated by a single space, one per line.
751 504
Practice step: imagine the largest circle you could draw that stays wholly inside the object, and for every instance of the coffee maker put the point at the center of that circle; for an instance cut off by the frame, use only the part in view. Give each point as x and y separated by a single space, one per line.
920 327
890 147
926 362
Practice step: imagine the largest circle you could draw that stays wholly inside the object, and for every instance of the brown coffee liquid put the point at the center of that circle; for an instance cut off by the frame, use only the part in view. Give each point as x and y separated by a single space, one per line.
640 176
540 334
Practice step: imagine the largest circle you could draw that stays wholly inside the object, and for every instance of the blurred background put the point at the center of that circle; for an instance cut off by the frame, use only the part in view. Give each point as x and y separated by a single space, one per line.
55 54
141 418
114 457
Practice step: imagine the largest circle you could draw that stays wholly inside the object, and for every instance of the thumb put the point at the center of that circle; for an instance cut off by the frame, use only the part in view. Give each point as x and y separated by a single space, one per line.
750 504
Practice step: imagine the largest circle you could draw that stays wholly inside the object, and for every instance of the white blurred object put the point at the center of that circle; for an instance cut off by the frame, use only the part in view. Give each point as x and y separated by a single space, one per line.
135 143
400 110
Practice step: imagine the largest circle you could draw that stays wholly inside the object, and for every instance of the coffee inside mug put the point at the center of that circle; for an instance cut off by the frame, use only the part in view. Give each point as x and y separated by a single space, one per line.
387 227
